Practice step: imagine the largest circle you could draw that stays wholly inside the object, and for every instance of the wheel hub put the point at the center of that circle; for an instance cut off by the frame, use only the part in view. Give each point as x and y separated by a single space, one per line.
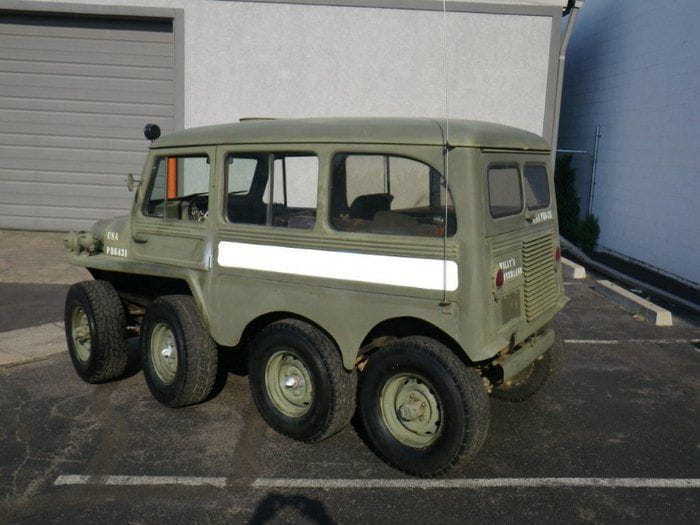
410 410
288 383
413 408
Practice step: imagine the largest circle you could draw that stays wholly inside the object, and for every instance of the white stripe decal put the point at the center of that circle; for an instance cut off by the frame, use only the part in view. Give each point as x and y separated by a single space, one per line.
412 272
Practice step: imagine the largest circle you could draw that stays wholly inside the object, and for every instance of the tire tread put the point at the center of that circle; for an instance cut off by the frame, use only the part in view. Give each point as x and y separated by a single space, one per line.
200 349
473 396
110 353
343 383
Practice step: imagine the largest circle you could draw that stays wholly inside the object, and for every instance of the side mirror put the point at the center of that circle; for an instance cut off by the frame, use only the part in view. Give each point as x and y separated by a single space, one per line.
131 181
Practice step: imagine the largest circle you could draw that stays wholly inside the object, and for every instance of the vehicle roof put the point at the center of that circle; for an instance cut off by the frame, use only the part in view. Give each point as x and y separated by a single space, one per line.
415 131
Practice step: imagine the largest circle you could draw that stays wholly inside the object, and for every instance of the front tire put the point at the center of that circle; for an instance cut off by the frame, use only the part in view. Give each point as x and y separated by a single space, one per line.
298 381
180 359
422 410
535 377
95 325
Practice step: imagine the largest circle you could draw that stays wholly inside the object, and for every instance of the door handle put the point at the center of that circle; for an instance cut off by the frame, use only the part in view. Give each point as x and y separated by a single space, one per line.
138 239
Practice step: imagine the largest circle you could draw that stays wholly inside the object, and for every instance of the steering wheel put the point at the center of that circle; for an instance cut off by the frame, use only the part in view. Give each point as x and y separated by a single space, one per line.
198 209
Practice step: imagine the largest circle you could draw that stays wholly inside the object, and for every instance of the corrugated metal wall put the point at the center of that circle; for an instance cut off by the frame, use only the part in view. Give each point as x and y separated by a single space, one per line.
75 93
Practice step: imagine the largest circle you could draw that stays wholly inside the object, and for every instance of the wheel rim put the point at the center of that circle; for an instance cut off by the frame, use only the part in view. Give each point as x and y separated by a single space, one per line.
163 350
288 383
410 409
80 333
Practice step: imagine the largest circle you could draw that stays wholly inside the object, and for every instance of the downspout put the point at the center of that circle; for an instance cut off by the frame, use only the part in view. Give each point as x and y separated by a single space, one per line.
571 11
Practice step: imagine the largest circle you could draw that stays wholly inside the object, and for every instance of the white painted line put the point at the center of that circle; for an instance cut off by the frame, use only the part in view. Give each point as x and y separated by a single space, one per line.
350 483
72 479
630 483
138 481
632 341
413 272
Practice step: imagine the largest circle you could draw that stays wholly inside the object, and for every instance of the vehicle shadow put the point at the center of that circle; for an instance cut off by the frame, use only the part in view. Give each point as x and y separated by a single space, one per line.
276 508
232 360
133 358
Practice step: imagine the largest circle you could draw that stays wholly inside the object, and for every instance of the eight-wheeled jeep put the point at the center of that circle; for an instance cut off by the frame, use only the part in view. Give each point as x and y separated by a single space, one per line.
376 264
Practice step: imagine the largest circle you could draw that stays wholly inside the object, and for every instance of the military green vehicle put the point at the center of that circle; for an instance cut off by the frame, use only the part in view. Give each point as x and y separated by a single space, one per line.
377 264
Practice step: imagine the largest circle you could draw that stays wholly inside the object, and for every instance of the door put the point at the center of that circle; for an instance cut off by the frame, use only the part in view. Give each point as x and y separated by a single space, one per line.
171 223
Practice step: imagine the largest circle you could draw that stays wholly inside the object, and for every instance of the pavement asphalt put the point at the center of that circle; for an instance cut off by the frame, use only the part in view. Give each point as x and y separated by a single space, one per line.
614 439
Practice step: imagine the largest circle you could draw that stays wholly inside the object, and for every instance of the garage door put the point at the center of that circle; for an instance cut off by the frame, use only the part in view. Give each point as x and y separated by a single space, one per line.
75 93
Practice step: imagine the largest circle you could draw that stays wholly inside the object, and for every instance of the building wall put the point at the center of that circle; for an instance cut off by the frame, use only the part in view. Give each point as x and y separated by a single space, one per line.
633 68
290 60
234 59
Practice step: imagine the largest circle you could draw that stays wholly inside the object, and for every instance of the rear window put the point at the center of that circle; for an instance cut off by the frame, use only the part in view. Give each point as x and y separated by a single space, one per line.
505 193
536 186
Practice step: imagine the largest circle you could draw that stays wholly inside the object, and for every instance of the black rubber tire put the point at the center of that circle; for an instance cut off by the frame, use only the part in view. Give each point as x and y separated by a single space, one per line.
535 377
463 400
333 403
107 322
196 352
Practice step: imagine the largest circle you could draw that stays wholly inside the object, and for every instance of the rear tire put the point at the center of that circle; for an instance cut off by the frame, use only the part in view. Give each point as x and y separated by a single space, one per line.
422 410
298 381
180 359
535 377
95 325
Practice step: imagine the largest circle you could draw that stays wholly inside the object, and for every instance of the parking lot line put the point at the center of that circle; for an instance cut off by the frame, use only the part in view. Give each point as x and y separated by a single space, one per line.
192 481
479 483
626 341
356 483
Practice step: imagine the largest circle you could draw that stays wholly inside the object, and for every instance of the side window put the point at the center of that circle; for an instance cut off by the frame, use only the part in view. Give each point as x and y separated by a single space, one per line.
179 188
536 186
505 193
274 189
389 194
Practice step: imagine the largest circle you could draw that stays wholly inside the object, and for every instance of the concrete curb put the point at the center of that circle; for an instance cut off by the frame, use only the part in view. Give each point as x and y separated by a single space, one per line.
627 280
634 304
573 270
34 343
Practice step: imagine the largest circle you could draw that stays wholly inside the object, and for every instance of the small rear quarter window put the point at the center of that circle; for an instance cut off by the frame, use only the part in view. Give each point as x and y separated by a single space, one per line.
505 192
536 186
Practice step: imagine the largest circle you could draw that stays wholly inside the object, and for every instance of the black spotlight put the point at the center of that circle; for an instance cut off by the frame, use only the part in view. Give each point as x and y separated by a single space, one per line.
151 132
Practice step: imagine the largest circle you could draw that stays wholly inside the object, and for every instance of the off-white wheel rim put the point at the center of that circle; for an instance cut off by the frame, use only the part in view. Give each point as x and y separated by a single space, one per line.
80 333
163 350
288 383
411 410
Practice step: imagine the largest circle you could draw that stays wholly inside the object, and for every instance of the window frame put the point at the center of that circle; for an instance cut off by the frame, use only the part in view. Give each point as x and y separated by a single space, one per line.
148 188
546 178
271 153
502 165
383 153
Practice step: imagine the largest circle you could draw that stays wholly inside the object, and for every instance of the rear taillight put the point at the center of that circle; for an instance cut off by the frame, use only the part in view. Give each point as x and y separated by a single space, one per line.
557 254
500 279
